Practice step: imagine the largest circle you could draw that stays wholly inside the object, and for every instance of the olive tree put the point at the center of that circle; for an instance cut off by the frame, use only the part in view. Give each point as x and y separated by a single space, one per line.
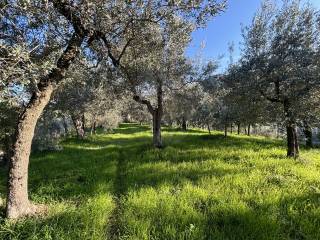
64 28
280 53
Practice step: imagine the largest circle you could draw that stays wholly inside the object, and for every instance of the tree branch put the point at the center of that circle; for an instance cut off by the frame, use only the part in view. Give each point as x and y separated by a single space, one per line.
145 102
271 99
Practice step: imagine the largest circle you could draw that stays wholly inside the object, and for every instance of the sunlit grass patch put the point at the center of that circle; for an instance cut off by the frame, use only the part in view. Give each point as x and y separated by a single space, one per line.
199 186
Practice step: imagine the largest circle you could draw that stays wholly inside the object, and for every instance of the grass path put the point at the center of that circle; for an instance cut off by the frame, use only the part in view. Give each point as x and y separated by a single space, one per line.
116 186
114 226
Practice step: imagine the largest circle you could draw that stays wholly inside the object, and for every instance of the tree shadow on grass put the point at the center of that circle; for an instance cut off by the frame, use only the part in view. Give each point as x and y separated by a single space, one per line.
72 223
72 173
300 215
86 168
180 131
219 140
131 128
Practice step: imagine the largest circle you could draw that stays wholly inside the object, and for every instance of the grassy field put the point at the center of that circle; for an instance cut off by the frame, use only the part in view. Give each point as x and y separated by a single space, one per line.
116 186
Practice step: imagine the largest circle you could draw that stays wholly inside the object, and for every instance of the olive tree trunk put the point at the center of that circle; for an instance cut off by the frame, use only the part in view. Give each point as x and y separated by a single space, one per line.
292 137
78 125
94 127
17 199
156 113
184 124
157 141
292 141
18 204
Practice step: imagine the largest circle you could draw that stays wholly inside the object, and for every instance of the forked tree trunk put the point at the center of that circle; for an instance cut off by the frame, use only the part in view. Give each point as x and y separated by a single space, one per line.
156 115
78 125
17 199
184 124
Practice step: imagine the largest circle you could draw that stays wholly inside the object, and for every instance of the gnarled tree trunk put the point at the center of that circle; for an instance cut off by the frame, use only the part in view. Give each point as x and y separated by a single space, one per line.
157 113
18 204
17 199
78 125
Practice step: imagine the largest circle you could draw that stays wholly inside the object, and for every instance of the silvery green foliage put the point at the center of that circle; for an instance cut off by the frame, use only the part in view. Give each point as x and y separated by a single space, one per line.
280 54
49 132
110 119
183 101
89 90
32 34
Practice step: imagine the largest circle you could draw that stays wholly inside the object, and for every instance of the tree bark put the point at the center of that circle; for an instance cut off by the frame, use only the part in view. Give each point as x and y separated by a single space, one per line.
184 124
249 130
292 141
157 141
292 138
18 204
78 125
157 113
17 199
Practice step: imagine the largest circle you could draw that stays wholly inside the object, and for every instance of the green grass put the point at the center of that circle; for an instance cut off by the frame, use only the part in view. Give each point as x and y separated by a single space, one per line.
116 186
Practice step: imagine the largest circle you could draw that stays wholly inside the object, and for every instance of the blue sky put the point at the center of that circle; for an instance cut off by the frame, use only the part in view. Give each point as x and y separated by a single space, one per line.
224 29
